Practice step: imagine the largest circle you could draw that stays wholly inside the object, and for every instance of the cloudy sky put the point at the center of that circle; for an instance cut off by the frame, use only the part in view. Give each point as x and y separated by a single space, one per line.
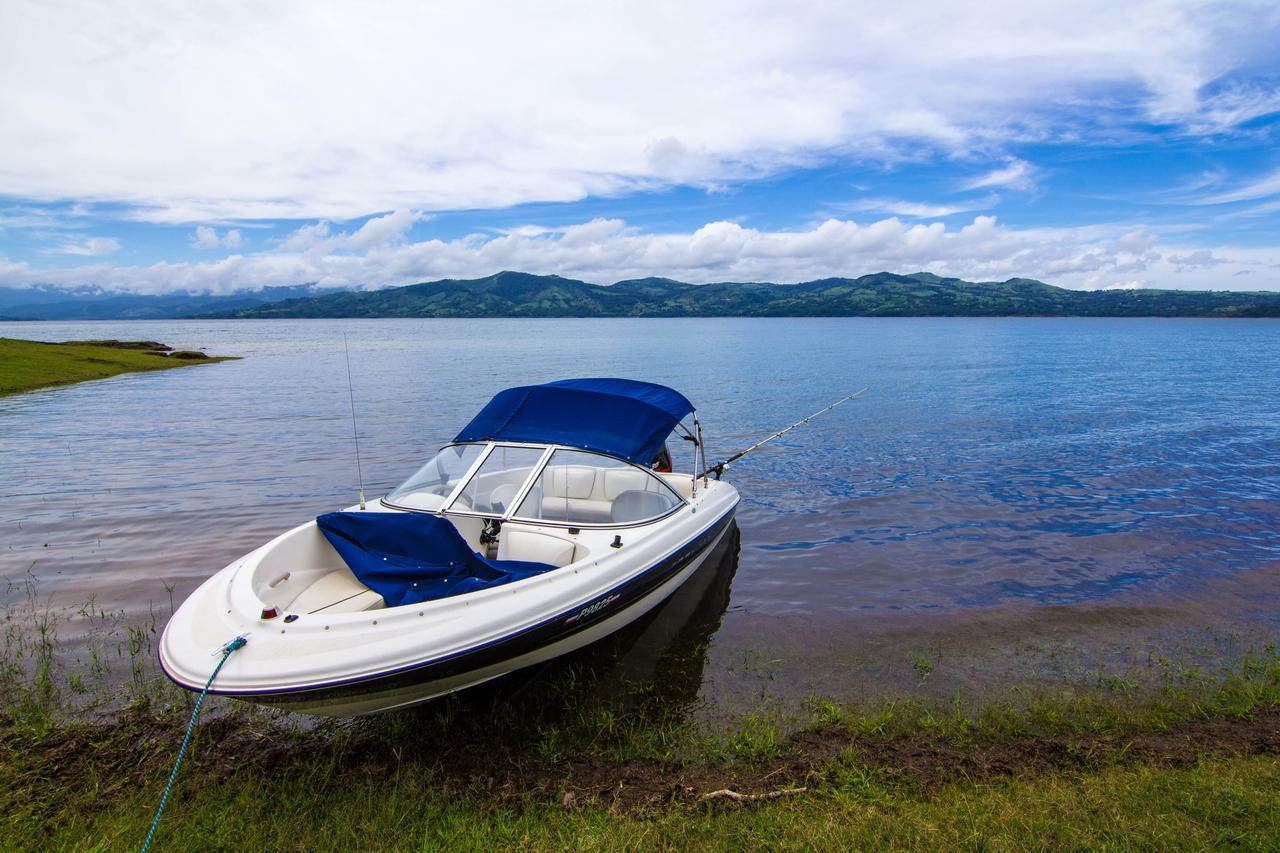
221 145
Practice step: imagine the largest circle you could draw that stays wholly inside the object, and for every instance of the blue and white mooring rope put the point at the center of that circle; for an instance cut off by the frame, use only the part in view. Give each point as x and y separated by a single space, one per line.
226 650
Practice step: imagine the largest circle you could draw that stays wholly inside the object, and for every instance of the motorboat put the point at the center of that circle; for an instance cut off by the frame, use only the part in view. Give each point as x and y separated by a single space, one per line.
552 520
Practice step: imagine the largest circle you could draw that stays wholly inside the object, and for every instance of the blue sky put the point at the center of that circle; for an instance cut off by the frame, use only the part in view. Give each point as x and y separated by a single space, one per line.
150 148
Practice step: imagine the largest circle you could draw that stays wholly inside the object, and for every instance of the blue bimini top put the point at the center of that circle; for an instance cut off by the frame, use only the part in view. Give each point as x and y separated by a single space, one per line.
408 557
620 417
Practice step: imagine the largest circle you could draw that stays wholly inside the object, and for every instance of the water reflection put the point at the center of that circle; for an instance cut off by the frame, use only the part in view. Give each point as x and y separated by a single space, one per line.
651 670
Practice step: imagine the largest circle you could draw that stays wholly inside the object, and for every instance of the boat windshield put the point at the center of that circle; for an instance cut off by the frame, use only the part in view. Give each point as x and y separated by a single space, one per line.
431 486
494 486
577 487
573 487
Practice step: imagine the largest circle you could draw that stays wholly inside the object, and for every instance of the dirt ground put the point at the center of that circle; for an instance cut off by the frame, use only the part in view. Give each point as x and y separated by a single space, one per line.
136 748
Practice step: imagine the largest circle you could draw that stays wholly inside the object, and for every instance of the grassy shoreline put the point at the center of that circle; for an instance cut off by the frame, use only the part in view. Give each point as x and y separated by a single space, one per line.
1218 802
30 365
1189 764
1166 754
1076 777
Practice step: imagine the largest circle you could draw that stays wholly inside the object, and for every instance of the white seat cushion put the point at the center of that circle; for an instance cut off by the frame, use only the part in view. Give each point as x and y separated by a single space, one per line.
576 510
337 592
501 497
570 481
619 480
534 547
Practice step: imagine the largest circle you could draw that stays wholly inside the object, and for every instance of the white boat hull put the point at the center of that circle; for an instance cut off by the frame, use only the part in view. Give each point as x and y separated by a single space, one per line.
354 705
359 663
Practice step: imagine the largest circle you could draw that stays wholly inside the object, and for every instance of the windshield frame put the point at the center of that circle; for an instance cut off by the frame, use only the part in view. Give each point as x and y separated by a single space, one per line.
548 450
447 508
485 450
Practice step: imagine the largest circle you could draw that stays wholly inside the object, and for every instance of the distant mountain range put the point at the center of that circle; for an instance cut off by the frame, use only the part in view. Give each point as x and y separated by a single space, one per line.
514 294
52 303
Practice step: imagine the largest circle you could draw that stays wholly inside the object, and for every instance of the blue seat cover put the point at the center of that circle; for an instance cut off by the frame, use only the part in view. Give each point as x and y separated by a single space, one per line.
408 557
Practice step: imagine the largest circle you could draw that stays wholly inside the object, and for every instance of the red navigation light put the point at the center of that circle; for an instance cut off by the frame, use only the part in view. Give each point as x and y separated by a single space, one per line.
270 612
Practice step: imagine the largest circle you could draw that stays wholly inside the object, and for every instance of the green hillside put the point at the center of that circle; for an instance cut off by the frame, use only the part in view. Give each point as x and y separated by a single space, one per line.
513 294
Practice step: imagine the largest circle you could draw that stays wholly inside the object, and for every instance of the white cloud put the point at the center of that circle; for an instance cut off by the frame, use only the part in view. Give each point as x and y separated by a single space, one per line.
377 231
89 247
26 216
1267 185
321 110
206 237
1017 175
306 237
915 209
606 250
1267 207
1234 105
1201 258
381 230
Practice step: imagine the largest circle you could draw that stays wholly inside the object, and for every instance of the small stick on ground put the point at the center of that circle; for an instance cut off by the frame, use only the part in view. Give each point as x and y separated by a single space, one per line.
772 773
726 794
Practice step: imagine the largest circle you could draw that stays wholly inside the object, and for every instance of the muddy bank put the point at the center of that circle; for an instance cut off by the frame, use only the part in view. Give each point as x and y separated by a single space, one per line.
134 751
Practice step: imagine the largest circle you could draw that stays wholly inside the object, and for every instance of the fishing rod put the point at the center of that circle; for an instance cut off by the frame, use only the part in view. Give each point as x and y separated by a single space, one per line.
355 434
719 467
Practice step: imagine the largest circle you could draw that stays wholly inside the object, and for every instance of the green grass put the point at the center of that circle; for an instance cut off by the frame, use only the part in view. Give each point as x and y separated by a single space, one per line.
1186 768
1215 802
28 365
1189 762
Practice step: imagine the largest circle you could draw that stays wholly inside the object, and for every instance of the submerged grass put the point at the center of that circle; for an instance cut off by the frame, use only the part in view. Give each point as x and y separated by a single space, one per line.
565 757
28 365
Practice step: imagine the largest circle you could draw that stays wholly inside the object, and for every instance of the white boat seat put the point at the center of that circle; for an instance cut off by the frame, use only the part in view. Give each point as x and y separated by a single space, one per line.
535 547
337 592
570 509
637 505
619 480
501 497
570 481
589 495
568 494
580 493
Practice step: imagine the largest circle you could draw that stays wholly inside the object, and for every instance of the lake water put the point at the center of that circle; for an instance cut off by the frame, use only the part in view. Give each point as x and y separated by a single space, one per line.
1007 489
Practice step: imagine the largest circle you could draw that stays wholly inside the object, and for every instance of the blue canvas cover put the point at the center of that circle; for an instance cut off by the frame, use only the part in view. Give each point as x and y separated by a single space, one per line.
408 557
620 417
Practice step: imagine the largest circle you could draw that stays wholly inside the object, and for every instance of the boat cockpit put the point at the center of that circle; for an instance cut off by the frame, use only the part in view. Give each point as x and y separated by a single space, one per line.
495 505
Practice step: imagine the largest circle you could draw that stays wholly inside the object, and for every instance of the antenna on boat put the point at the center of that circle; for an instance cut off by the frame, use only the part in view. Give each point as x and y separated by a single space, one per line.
718 468
355 435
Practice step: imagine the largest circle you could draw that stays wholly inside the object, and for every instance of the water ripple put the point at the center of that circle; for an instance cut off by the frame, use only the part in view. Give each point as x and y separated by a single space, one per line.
993 462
